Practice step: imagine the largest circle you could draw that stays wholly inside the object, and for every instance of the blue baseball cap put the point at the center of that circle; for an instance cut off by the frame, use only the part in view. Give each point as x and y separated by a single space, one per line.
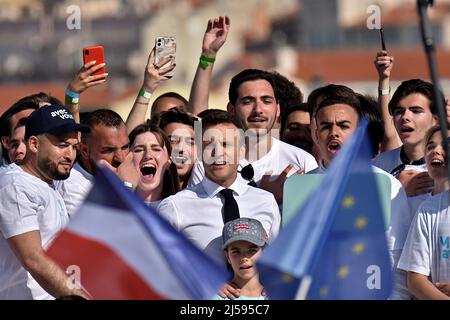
53 119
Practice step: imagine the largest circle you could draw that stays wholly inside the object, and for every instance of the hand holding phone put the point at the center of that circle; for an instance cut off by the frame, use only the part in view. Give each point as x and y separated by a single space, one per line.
97 54
164 47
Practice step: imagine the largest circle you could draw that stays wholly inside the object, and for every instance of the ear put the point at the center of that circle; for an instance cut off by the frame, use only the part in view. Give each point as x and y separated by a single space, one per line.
435 119
84 150
5 141
230 107
33 144
315 133
227 256
278 111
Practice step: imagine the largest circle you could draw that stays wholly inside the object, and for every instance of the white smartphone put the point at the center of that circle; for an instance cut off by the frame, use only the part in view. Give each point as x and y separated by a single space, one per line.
165 46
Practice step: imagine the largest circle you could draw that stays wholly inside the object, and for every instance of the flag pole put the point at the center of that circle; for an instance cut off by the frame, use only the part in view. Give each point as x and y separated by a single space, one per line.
303 288
427 38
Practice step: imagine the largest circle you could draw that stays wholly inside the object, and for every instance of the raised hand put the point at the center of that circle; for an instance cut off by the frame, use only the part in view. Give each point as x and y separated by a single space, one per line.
84 78
276 186
155 74
215 35
384 64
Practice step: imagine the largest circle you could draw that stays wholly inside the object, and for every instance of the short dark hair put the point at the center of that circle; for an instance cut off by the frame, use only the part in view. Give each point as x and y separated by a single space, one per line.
371 112
21 123
170 94
292 108
104 117
288 93
175 115
249 75
220 117
204 113
171 182
413 86
351 101
321 93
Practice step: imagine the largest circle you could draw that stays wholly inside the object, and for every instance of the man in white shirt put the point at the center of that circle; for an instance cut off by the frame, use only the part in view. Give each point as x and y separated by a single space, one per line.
254 102
336 119
32 211
108 141
198 211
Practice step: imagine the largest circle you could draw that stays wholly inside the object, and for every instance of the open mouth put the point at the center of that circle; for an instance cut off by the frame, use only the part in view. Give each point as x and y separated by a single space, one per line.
148 169
406 129
437 163
334 146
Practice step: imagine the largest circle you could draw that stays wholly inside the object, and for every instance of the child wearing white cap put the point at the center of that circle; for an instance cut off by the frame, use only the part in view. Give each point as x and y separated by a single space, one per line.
243 241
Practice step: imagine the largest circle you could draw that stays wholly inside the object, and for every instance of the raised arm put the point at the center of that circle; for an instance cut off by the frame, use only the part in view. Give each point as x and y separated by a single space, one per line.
215 36
83 80
153 76
28 250
384 64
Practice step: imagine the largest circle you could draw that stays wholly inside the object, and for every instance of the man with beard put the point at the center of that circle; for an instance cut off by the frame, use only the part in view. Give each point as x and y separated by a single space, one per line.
254 101
32 212
108 141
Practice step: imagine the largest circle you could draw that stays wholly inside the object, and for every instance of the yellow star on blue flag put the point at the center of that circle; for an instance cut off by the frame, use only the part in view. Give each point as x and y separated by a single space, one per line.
335 236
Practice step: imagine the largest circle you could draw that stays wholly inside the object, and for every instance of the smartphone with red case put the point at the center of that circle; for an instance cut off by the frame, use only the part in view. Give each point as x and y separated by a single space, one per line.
97 54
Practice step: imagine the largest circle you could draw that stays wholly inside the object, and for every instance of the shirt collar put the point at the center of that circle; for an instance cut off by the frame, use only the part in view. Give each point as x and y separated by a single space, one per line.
212 188
81 170
405 160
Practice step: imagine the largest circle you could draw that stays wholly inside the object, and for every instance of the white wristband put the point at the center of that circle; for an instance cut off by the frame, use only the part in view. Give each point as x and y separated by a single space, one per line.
145 94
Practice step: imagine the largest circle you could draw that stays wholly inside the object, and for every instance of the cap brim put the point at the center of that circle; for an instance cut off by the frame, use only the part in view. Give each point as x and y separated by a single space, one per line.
69 127
257 242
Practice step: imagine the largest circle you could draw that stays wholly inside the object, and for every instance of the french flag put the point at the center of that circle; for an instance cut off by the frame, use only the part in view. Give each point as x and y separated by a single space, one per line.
125 250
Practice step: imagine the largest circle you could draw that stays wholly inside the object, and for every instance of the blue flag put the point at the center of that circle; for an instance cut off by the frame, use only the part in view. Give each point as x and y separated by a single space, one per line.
335 246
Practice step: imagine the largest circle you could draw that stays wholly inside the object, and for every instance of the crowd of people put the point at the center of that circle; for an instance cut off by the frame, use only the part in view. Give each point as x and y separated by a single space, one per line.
217 176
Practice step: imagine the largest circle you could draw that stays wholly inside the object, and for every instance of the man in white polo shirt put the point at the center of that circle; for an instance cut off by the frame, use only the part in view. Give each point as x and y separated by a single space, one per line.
32 211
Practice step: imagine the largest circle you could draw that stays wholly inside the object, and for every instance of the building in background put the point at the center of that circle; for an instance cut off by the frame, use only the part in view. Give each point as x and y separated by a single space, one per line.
310 41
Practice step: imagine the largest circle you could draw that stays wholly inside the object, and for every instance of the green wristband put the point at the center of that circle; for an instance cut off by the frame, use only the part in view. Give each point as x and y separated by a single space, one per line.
204 61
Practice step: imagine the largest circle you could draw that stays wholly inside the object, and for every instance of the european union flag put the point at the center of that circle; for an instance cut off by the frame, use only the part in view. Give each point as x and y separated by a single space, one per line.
335 246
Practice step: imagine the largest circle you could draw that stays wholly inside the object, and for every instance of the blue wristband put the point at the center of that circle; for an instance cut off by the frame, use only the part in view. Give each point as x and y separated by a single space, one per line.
72 94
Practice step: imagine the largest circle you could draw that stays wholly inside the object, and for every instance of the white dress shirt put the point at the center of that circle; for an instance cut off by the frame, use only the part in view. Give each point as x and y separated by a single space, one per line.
197 212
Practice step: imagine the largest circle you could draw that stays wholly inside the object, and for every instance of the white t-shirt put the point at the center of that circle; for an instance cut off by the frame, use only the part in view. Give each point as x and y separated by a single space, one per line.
280 155
75 188
197 212
427 247
276 160
26 204
389 160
